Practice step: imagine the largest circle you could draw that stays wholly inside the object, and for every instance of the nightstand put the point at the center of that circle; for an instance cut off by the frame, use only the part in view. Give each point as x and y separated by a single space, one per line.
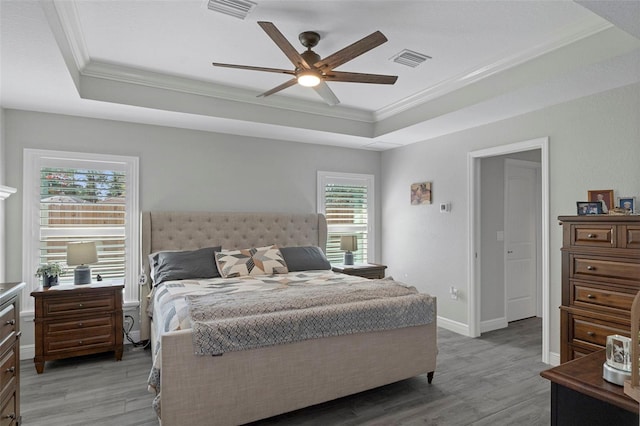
364 270
75 320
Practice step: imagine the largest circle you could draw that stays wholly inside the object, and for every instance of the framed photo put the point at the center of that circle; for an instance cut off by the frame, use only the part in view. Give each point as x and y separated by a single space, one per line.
421 193
627 203
604 196
587 207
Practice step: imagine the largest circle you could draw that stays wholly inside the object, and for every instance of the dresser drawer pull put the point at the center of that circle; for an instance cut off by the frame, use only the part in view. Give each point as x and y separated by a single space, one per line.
591 333
11 370
80 324
11 416
80 305
591 268
10 322
590 296
592 235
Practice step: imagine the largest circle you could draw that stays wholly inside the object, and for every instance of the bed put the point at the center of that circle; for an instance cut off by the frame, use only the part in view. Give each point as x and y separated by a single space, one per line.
244 385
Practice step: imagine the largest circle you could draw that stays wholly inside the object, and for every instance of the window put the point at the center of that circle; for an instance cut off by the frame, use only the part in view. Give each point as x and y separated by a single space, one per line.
81 197
346 200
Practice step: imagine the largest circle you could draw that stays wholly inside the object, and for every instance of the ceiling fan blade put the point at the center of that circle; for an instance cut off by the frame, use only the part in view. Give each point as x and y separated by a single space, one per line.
283 86
284 45
352 51
326 93
248 67
356 77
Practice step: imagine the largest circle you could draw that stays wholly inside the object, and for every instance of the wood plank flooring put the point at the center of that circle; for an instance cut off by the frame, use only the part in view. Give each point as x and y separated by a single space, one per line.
492 380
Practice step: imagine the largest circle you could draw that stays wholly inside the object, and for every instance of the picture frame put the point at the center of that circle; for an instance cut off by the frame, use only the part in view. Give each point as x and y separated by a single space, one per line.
627 203
588 208
605 196
421 193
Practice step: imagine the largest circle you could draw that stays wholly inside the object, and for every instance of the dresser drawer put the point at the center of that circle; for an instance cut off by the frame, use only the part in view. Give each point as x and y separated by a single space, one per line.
9 413
604 268
79 304
585 330
8 323
591 296
8 373
593 235
631 237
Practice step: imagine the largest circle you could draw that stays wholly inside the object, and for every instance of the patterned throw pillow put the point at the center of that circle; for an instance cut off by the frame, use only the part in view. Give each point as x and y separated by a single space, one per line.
254 261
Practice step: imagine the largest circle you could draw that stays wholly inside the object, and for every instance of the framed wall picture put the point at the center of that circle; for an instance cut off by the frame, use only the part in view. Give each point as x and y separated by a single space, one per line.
627 203
604 196
421 193
587 207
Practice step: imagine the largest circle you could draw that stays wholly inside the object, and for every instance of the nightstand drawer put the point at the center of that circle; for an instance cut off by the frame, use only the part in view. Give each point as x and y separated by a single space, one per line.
77 342
8 323
8 373
54 328
78 304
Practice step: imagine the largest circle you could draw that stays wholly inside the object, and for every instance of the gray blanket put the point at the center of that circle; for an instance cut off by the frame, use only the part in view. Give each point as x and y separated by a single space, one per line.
232 322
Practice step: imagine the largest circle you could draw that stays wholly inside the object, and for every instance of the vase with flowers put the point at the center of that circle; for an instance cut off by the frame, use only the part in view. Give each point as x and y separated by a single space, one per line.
50 273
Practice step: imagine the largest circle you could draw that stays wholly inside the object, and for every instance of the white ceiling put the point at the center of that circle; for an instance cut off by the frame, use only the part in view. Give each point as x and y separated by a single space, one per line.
150 62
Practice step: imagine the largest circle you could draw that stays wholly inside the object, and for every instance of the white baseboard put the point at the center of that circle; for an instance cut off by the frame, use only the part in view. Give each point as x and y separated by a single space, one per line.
27 352
494 324
554 358
135 335
455 326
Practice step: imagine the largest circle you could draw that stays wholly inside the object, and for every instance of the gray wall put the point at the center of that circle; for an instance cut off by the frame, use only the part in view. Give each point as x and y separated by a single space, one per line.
179 169
594 144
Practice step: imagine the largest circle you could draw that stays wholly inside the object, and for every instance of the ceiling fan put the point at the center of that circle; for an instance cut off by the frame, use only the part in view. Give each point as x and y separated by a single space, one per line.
312 71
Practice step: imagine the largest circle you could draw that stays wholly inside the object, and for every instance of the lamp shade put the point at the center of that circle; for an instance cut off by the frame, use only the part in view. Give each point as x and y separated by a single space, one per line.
82 253
349 243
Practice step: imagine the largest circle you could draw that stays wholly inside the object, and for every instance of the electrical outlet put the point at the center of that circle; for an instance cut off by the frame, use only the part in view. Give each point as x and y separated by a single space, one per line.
453 292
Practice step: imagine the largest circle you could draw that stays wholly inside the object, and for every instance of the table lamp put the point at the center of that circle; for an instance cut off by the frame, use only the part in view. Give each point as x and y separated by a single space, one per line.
82 254
349 243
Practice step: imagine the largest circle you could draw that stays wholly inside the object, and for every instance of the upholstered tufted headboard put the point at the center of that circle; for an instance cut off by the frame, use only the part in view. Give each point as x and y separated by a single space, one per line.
193 230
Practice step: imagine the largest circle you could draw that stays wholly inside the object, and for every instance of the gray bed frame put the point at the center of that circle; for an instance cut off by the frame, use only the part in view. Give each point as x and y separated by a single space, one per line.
245 386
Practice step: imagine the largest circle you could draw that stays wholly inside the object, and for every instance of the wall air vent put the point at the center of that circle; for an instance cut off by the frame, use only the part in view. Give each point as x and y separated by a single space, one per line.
236 8
410 58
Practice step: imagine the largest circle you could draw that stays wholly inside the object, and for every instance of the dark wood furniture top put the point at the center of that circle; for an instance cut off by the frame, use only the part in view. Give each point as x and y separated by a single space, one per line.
364 270
600 277
584 375
77 320
10 353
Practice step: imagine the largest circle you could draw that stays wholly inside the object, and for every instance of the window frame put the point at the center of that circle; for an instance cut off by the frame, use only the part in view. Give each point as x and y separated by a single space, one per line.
34 160
368 180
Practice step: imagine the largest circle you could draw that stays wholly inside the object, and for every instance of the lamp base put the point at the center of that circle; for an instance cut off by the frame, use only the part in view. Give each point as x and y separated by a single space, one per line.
82 275
348 258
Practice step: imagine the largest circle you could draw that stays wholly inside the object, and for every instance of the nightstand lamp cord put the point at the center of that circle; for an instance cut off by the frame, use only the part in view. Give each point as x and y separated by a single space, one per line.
126 328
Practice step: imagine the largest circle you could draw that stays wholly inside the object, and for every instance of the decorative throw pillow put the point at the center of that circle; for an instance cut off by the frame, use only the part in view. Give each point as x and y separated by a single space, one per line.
305 258
254 261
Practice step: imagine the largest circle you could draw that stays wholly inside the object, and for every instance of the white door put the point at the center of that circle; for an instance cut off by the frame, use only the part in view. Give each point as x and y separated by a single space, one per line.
521 211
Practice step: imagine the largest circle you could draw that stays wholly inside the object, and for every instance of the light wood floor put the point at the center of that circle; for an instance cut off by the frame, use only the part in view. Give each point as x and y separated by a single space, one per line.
492 380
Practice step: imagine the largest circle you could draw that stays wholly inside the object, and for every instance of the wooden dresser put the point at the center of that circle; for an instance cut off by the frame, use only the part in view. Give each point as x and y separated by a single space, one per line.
600 277
77 320
10 353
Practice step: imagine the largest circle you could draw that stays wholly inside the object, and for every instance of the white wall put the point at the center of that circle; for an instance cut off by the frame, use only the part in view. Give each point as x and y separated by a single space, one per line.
179 169
594 144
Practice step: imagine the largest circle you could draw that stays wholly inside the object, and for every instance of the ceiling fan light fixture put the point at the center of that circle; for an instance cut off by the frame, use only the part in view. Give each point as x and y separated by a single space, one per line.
308 79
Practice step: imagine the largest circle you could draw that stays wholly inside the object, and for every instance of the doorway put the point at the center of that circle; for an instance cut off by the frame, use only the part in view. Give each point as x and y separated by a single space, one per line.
477 285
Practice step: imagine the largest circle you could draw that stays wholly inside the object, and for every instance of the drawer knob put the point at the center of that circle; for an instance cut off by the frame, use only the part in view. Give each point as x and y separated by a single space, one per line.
591 268
591 333
10 322
590 296
80 324
592 235
11 416
11 370
80 305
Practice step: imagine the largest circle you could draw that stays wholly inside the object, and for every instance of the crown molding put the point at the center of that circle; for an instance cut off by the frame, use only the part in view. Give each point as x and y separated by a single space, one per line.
70 22
6 191
584 29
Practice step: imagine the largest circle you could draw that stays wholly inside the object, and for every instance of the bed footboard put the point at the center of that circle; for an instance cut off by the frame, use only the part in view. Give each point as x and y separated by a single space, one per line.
240 387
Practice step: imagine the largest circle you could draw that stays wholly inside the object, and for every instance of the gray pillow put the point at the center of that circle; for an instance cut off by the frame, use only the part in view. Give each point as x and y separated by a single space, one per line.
307 258
187 264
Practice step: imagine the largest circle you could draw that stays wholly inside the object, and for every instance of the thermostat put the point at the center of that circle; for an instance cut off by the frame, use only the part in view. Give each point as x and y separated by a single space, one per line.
445 207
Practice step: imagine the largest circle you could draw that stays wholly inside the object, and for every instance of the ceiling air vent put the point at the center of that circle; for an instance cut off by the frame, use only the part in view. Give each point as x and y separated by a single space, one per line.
236 8
410 58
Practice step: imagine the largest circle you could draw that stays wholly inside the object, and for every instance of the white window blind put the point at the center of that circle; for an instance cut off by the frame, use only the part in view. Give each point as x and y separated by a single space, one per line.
346 200
71 196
